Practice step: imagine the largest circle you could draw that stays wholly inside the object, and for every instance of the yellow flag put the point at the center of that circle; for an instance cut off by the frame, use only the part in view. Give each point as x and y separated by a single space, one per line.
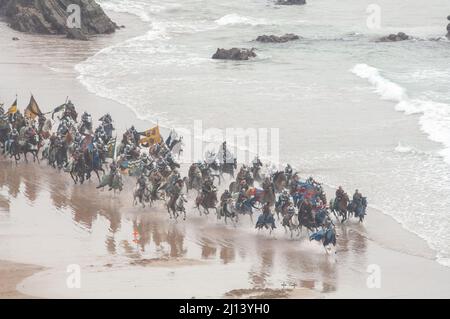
13 108
152 137
32 110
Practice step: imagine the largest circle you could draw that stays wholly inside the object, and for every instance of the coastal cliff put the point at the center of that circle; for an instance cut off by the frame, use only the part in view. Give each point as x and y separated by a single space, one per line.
50 17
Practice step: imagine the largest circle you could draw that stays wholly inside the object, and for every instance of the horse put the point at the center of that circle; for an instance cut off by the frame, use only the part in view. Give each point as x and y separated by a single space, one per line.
4 133
195 180
281 208
25 146
339 207
327 236
358 208
115 184
86 125
228 168
207 201
77 169
227 210
93 162
176 206
266 220
279 181
305 216
291 222
143 195
256 172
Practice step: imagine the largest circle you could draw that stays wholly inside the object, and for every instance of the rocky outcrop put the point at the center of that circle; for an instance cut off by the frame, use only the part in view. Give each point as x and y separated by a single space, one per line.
448 28
234 54
50 17
290 2
276 39
395 37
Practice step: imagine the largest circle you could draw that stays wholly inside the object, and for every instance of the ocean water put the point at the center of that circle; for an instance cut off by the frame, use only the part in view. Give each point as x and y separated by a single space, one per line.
351 111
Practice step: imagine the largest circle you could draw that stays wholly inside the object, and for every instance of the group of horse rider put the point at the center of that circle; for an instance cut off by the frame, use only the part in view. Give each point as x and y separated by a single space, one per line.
80 150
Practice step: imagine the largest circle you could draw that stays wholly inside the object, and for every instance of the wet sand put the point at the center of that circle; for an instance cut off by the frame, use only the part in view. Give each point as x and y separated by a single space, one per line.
131 252
11 275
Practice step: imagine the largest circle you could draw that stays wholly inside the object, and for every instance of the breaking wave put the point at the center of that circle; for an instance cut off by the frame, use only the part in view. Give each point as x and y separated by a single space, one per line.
234 18
435 116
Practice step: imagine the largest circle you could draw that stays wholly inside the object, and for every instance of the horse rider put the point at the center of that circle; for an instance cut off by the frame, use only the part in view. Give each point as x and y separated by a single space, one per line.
106 119
243 185
41 122
293 185
224 152
242 174
70 111
290 212
13 137
288 170
283 199
340 193
267 216
207 187
113 171
357 197
29 133
225 197
135 135
267 183
175 193
142 184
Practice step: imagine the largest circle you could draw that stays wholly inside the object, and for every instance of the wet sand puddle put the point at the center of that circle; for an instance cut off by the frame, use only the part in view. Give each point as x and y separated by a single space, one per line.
127 251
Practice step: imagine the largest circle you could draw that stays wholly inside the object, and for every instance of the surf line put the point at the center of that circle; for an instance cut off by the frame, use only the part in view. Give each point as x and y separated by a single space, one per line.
191 309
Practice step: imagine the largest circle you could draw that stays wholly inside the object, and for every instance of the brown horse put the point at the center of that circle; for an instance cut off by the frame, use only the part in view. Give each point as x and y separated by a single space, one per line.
339 207
207 201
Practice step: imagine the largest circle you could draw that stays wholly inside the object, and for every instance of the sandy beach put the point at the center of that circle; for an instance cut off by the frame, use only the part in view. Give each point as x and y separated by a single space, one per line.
47 223
12 274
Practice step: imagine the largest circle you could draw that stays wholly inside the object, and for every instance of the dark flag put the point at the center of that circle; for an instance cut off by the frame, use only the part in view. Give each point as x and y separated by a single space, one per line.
32 110
58 109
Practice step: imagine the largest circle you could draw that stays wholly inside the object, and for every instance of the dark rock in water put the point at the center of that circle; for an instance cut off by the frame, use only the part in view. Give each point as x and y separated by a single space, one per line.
15 39
290 2
234 54
395 37
448 28
276 39
51 17
76 34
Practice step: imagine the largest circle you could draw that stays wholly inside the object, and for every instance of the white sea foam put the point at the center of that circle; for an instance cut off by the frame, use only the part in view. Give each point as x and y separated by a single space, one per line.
387 89
434 120
435 116
137 8
234 18
400 148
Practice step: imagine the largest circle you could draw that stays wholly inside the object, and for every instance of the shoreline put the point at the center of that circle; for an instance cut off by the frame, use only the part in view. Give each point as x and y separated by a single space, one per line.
43 81
12 274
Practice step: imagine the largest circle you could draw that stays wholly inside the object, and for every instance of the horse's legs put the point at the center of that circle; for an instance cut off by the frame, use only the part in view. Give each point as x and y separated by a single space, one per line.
73 178
37 157
98 176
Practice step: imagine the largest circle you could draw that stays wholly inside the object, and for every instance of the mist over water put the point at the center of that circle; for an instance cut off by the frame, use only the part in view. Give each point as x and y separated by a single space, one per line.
351 111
